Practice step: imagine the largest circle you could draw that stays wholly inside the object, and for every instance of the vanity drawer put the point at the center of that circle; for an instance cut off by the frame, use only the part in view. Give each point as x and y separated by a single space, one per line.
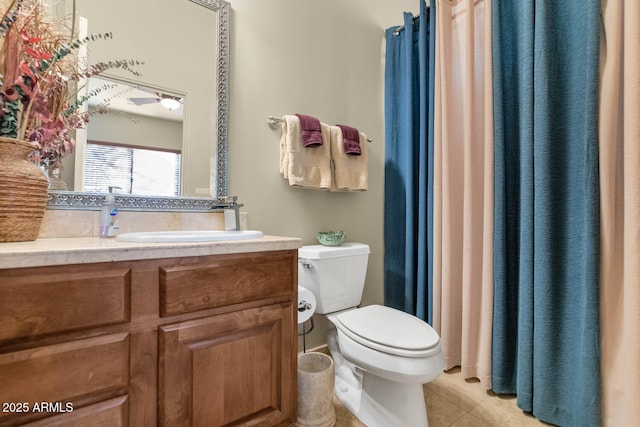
226 280
47 300
113 413
61 373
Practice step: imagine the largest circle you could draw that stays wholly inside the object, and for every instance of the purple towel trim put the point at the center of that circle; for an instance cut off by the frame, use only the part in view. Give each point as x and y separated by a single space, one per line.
311 133
351 140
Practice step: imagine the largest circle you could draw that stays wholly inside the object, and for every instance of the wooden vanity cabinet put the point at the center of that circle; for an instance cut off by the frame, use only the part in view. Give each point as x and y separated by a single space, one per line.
193 341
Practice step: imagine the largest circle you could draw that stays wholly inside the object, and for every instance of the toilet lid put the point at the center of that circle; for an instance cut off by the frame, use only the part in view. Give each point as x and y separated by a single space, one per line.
388 329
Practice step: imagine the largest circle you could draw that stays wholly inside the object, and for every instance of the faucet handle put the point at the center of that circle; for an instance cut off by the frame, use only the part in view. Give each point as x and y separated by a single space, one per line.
231 209
227 201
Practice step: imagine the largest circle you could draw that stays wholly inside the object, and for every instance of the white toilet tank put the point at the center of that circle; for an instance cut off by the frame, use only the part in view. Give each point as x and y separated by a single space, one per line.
335 275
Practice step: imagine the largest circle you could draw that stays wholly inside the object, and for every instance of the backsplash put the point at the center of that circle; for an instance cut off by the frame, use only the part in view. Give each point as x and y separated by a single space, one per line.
81 223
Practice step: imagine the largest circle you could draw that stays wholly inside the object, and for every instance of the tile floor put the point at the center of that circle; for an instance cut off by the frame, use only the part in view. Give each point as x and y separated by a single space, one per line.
455 402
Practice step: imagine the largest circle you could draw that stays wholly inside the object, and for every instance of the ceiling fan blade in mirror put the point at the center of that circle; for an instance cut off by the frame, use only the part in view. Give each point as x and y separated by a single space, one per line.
143 101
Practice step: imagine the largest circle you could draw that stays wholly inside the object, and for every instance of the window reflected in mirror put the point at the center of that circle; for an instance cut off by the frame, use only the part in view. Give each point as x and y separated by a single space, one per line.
132 170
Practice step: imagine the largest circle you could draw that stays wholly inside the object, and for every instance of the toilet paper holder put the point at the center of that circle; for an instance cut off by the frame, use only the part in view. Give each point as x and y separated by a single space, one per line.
304 333
304 305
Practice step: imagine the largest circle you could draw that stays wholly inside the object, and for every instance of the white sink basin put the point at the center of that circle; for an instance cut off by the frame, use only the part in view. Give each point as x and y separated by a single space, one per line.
188 236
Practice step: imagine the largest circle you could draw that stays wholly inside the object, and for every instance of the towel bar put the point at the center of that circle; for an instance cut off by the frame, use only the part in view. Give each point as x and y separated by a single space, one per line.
273 124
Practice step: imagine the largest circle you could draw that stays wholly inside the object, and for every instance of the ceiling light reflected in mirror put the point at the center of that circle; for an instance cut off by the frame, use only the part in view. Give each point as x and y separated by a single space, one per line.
170 104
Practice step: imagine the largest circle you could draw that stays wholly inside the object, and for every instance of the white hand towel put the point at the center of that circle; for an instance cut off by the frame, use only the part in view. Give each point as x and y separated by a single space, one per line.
308 167
350 173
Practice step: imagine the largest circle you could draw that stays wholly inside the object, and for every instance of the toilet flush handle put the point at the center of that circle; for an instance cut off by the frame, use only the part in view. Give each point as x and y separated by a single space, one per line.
305 263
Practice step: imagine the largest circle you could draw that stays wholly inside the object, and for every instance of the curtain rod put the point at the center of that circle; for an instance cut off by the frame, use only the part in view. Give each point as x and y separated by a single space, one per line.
397 31
273 124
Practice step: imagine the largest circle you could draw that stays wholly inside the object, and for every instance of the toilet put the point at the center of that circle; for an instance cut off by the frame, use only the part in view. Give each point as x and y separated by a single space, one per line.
382 356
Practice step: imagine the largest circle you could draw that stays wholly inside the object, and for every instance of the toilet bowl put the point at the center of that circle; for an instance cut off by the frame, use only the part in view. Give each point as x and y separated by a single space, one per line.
382 356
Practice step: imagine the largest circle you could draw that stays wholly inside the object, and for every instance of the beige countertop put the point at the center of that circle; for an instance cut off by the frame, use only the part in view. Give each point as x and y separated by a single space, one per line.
79 250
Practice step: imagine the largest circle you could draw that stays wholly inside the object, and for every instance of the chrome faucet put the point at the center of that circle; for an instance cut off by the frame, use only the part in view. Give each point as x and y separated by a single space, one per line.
231 208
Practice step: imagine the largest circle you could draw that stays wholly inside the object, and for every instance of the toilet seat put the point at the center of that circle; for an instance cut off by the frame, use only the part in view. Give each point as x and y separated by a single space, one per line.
389 330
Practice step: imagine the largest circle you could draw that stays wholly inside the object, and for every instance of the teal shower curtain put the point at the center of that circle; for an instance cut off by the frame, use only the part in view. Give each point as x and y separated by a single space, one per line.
408 223
546 241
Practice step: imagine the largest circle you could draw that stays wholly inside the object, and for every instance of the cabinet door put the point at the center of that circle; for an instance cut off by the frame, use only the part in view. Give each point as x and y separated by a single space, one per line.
233 368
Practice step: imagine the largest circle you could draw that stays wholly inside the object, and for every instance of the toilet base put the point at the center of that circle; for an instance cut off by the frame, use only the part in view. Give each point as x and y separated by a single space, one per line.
382 403
376 401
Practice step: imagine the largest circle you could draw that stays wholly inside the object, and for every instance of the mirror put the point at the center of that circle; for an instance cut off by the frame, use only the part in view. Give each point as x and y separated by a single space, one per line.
187 58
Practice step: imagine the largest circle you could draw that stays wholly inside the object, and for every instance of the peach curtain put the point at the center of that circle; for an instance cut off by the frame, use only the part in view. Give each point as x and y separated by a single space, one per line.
463 186
620 212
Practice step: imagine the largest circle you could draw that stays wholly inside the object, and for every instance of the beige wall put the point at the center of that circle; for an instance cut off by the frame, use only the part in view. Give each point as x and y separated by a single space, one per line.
324 58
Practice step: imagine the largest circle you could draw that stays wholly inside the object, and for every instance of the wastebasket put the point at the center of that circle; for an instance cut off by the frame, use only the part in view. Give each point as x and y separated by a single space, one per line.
315 390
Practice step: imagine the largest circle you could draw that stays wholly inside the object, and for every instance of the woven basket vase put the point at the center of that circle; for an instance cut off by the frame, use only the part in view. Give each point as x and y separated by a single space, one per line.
23 192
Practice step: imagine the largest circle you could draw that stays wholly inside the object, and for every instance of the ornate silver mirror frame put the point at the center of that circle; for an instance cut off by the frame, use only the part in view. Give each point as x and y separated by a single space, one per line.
220 172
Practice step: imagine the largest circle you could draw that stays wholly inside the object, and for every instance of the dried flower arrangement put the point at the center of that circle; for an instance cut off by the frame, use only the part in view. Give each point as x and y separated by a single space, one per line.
40 77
